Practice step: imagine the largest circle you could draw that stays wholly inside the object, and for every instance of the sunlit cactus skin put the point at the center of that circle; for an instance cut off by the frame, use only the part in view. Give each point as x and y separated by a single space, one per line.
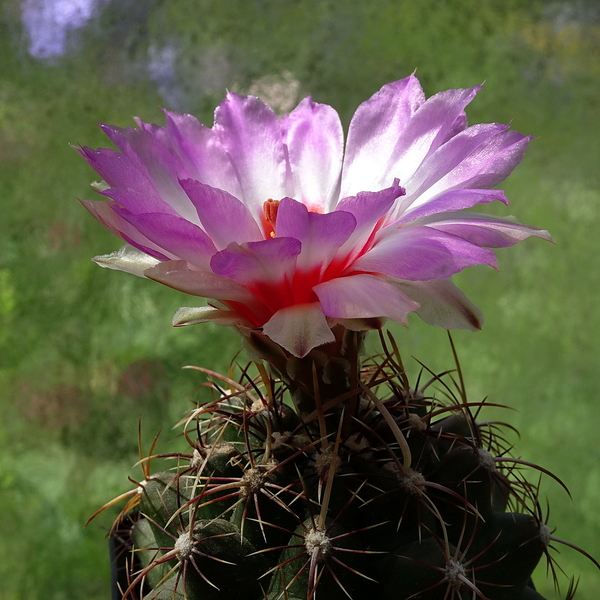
297 486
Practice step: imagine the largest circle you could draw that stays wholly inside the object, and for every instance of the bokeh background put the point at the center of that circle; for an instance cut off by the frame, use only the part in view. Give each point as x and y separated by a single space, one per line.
86 353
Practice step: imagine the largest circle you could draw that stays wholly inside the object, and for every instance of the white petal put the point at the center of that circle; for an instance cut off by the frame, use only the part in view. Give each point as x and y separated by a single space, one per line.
299 328
128 259
191 315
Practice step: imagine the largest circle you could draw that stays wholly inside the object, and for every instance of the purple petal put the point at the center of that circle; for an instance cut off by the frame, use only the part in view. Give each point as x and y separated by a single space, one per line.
269 261
299 328
223 217
138 203
364 296
485 230
105 213
251 135
448 202
321 235
395 148
367 208
117 170
201 152
374 130
177 275
443 304
178 237
161 165
480 160
432 126
314 139
419 253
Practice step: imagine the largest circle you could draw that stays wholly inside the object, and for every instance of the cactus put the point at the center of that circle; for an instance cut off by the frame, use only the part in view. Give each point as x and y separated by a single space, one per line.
318 473
325 477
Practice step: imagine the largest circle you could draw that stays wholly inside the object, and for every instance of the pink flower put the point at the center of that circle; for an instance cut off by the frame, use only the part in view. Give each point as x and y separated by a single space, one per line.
285 232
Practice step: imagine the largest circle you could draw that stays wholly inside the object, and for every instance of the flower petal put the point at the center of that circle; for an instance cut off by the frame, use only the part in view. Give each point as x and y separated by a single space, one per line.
393 132
107 214
449 202
480 157
201 151
419 253
485 230
443 304
192 315
299 328
374 131
158 162
314 139
177 236
138 203
270 261
179 276
222 216
118 170
128 259
321 235
251 136
367 208
432 125
364 296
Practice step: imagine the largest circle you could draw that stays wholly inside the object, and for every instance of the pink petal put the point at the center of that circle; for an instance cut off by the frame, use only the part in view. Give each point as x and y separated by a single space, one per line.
433 124
374 130
105 213
443 304
138 203
367 208
299 328
321 235
419 253
364 296
480 157
117 170
314 139
159 163
179 276
485 230
201 151
223 217
448 202
251 135
178 237
397 132
271 261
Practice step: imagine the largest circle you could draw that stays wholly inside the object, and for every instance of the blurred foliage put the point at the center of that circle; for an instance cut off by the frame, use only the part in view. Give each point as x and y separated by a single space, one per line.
87 353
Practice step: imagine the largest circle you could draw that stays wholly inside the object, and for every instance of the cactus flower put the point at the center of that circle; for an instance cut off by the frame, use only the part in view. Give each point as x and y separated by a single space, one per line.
287 232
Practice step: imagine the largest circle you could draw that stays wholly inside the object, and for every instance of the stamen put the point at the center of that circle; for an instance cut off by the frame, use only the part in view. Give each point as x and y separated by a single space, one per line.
270 208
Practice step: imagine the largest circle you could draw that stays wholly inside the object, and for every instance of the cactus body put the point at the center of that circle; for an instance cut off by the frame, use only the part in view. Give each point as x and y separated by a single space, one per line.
359 486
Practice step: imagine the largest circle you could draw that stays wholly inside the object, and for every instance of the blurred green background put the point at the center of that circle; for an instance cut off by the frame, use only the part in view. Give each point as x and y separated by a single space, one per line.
85 353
